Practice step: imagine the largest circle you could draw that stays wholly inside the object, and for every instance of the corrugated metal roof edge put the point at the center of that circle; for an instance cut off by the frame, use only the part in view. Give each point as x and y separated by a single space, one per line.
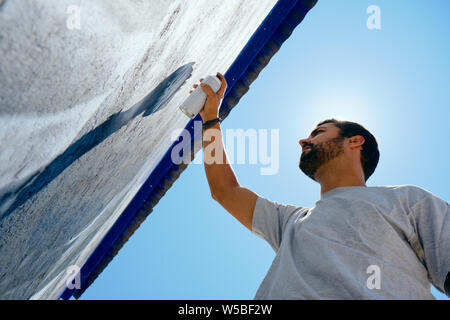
276 28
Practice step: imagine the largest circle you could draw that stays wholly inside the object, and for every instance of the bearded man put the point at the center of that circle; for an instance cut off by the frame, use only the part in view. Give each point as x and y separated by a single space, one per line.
357 242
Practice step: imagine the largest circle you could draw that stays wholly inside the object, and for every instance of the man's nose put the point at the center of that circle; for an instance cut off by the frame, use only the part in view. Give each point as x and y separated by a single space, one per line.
304 142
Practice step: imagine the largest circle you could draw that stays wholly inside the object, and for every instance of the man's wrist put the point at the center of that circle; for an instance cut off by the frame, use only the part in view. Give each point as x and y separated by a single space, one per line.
209 117
211 123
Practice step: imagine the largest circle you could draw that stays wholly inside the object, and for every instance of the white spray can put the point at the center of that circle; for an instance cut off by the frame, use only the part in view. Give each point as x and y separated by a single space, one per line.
196 100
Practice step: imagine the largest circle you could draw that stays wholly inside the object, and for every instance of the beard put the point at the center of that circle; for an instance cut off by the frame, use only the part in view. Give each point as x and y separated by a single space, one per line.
319 155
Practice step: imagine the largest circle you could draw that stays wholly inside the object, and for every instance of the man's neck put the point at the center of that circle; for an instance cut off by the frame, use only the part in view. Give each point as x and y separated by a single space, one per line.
339 176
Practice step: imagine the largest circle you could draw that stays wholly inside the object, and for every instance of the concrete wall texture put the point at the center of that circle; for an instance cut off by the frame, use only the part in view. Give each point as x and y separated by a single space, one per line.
89 96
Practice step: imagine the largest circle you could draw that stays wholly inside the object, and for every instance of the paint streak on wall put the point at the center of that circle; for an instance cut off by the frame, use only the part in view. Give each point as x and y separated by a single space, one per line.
86 114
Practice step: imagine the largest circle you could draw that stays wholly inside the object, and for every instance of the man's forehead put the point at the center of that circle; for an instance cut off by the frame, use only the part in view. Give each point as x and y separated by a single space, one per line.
326 126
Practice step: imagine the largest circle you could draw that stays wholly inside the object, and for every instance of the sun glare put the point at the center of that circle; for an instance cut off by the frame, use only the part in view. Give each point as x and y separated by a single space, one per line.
348 106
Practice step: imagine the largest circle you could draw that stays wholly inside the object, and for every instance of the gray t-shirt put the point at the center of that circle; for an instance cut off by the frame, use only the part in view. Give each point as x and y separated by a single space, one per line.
386 242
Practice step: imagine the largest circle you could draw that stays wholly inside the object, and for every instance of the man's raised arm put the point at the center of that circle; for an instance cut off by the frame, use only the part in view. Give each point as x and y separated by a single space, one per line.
224 186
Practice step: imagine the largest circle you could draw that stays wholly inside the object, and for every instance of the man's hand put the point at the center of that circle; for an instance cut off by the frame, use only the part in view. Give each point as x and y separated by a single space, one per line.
211 109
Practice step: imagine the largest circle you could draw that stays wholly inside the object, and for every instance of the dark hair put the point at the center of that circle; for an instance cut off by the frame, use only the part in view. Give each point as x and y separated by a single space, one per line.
369 153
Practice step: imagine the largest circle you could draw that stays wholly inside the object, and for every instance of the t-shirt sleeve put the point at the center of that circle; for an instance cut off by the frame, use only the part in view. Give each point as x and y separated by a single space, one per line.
270 219
432 223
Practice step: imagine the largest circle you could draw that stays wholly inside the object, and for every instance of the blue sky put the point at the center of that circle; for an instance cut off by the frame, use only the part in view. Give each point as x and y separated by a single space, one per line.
394 81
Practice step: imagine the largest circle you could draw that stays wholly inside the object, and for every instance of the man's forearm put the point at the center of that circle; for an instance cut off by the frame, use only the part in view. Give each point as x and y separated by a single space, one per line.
225 189
218 170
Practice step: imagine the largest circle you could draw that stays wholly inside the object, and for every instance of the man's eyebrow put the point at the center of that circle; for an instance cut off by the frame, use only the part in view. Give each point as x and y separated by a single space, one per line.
314 132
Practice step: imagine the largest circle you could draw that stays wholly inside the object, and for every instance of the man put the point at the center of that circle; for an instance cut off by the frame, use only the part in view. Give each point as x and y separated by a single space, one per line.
358 242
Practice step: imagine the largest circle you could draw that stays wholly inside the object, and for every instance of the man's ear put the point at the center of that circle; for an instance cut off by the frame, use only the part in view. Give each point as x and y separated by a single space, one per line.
356 142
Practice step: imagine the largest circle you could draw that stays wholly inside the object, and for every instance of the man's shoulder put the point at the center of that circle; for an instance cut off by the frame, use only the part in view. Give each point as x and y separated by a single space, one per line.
409 191
404 188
